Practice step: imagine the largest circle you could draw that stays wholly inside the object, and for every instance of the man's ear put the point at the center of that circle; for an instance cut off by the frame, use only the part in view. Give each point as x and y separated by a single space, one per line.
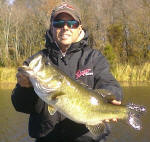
80 26
80 29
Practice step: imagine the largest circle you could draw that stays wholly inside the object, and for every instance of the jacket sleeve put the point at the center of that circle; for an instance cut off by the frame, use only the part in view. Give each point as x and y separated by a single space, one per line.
25 100
103 79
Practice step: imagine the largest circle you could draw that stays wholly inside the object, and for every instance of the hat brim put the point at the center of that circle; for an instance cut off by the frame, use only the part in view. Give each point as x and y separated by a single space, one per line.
67 12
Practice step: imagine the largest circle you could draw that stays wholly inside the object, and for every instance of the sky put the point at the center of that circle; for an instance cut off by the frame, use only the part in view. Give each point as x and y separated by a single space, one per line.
11 1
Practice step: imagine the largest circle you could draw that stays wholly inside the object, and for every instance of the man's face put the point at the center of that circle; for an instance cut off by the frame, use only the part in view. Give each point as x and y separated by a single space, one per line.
65 36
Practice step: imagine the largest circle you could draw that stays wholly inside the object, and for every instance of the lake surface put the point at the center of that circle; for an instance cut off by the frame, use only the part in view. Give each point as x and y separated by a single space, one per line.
14 125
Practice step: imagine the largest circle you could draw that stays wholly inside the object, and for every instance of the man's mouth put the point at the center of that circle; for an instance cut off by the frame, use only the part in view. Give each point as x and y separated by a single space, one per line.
65 36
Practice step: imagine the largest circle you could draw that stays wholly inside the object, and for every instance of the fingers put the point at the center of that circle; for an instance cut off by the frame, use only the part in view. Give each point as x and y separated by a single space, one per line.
23 80
108 120
115 102
114 120
101 121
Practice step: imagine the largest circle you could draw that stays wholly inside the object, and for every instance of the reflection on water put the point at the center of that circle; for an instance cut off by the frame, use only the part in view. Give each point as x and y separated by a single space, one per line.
121 131
14 124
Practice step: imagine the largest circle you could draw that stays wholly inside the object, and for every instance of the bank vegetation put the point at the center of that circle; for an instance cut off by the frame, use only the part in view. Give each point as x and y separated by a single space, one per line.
120 29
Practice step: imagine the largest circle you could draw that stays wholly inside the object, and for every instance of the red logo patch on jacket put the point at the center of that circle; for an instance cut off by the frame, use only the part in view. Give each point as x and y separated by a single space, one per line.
85 72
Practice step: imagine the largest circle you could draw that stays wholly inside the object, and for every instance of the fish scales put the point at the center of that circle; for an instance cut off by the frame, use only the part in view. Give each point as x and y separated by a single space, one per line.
73 99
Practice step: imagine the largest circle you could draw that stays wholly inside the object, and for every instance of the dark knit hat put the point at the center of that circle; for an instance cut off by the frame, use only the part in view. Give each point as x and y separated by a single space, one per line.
66 8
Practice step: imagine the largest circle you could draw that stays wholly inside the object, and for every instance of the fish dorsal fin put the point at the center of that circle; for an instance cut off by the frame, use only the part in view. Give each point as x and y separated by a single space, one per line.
81 83
96 129
51 110
107 95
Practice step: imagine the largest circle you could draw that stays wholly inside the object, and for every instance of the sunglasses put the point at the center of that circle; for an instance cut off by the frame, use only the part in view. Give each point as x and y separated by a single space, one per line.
70 23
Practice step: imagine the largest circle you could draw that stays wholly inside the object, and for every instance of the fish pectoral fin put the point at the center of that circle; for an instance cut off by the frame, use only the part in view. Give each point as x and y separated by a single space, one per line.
56 94
107 95
54 97
51 110
96 129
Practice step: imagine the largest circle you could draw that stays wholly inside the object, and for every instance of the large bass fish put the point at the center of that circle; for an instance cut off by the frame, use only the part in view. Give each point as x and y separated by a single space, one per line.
74 100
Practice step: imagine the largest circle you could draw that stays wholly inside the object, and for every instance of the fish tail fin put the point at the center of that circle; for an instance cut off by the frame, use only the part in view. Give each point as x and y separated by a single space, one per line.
134 113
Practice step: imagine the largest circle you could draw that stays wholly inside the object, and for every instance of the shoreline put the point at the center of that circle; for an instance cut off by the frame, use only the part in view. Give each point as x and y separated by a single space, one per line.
7 85
125 75
11 85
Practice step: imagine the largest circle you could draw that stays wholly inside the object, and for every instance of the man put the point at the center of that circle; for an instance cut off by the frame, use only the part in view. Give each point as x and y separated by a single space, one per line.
67 48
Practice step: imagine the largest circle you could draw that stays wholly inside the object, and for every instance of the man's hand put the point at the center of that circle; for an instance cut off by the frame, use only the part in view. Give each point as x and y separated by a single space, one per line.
23 80
115 102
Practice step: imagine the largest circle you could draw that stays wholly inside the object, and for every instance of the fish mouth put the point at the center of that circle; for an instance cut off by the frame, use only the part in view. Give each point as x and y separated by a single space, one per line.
25 70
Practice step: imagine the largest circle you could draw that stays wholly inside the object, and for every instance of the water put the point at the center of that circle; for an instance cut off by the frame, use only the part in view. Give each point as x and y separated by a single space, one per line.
121 132
14 124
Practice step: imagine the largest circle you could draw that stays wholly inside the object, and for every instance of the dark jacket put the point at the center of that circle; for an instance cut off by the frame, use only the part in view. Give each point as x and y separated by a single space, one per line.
81 63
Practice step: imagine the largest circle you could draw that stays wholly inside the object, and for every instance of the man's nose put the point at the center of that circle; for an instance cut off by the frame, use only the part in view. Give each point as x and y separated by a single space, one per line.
65 26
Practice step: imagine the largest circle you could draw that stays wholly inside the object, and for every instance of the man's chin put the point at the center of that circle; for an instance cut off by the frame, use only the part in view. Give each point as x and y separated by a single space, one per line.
65 43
